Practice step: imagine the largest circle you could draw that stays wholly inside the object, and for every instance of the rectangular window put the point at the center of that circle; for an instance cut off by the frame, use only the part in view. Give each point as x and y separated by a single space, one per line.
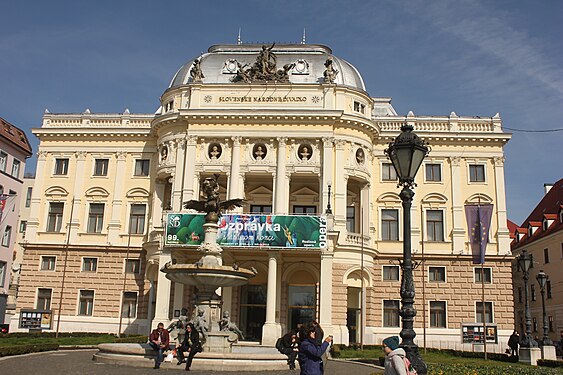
546 256
550 322
351 219
61 167
23 227
28 196
390 225
6 236
55 218
438 314
488 312
2 274
142 167
533 292
44 298
437 274
261 209
101 167
433 172
86 302
137 220
390 273
48 263
133 266
129 305
89 264
479 277
305 210
388 172
3 161
16 168
435 225
476 173
96 218
548 289
390 313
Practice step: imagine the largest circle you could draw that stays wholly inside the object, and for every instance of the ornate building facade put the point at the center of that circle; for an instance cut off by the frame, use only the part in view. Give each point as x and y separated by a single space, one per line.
292 130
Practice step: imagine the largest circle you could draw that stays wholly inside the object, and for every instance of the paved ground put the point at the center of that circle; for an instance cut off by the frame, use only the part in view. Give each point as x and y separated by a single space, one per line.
80 362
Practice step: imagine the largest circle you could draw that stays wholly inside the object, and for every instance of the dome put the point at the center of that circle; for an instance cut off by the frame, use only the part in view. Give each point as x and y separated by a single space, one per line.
219 64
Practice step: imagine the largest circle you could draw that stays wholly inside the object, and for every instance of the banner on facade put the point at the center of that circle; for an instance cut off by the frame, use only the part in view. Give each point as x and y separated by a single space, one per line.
250 230
478 223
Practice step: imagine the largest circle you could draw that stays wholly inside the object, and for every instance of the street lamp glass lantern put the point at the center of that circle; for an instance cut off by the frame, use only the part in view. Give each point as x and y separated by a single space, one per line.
525 261
406 153
542 279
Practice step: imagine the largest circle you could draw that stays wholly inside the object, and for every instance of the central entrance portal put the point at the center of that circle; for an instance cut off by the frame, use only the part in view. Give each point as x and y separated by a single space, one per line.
302 301
253 311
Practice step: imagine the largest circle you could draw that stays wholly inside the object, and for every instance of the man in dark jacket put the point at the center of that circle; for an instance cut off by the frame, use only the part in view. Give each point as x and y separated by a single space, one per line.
191 344
513 342
159 340
310 354
289 345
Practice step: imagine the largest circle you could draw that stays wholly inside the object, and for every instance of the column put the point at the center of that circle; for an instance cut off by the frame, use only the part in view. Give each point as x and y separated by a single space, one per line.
114 226
271 329
178 175
458 231
503 235
325 297
340 186
235 169
189 170
162 310
157 203
281 193
37 197
365 208
327 172
77 195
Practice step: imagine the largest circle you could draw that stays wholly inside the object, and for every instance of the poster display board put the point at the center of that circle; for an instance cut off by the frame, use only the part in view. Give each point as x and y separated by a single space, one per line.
472 333
250 230
36 319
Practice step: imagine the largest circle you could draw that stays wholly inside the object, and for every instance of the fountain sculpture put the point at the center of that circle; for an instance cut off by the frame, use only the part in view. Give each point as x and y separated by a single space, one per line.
209 273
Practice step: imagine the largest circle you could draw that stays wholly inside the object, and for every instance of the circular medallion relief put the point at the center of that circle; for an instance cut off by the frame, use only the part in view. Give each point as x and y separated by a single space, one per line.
305 152
163 153
360 156
214 151
259 151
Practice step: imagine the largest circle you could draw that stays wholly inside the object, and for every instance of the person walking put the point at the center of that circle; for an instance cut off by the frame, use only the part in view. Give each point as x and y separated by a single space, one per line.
288 344
191 344
513 342
310 354
394 357
159 340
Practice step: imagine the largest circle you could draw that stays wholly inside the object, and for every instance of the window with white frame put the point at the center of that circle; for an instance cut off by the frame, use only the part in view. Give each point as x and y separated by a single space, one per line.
351 219
3 161
390 273
390 313
433 172
129 305
86 302
435 225
16 168
96 218
437 274
2 274
55 217
388 172
44 296
48 263
438 314
488 312
6 236
28 196
89 264
61 167
476 173
23 227
101 167
142 167
137 219
133 266
389 225
486 274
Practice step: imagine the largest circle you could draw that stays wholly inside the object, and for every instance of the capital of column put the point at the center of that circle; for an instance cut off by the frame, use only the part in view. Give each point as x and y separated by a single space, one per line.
274 255
42 155
80 155
121 155
282 141
328 142
340 143
181 143
455 160
237 139
499 161
191 140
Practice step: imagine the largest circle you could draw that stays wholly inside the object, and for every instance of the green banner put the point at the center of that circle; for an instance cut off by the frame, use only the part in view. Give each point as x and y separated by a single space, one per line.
250 230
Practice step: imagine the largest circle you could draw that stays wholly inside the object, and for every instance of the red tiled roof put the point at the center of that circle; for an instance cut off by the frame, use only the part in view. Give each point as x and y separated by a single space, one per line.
15 135
512 227
535 223
550 216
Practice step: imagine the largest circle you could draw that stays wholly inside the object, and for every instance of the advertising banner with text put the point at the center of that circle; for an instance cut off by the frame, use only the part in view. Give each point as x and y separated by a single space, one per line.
249 230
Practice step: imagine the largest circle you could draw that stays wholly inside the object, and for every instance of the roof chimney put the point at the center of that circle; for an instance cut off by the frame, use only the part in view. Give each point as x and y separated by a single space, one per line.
547 188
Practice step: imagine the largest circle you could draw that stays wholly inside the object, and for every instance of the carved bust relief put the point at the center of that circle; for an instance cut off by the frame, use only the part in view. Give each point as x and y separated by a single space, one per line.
259 151
360 156
163 154
214 151
305 152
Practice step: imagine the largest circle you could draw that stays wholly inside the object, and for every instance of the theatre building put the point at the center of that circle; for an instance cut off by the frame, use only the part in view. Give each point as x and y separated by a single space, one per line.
293 131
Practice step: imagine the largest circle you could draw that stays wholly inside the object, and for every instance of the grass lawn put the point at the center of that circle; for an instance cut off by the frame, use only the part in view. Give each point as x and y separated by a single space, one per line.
62 340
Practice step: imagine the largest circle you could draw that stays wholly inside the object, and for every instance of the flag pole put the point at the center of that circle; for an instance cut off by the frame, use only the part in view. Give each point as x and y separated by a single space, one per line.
64 268
124 283
482 261
423 279
362 301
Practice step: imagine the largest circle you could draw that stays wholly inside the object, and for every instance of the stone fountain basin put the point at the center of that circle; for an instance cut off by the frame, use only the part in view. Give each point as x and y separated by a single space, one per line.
219 276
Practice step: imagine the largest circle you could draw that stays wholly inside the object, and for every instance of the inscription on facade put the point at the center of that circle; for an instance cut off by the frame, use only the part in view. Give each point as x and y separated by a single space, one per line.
262 99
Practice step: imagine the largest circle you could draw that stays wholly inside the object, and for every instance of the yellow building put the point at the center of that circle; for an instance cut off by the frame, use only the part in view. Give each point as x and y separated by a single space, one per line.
279 142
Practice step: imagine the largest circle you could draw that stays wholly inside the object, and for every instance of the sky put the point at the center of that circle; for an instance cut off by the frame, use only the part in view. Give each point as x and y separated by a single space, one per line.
473 57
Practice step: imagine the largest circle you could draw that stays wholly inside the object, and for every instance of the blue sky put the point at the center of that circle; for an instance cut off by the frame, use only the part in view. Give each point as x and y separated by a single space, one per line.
432 57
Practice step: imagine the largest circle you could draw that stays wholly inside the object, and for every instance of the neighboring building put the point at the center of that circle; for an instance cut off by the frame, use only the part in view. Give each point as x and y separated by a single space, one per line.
541 234
279 146
14 150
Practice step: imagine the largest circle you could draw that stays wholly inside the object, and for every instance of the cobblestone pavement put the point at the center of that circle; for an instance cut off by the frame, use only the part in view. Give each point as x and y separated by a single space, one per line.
80 363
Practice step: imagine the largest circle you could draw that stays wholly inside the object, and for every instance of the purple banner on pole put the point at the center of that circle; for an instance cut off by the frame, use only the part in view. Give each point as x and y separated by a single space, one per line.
479 223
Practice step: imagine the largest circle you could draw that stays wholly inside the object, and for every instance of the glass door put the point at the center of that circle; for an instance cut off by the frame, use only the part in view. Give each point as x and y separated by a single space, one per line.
302 305
252 311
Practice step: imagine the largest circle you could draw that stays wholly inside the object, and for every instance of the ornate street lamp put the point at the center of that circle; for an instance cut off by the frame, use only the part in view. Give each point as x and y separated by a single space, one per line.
542 280
525 261
406 154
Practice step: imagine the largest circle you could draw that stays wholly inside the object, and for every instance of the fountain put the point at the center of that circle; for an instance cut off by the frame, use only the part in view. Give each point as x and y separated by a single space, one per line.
209 273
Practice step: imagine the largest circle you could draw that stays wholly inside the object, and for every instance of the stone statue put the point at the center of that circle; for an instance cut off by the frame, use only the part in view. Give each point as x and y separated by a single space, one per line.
212 205
164 153
265 65
305 154
243 74
360 157
258 154
264 69
180 325
330 73
226 325
215 152
200 324
196 73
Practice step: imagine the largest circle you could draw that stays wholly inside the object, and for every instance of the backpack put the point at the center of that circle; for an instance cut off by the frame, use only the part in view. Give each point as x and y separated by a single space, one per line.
410 370
279 345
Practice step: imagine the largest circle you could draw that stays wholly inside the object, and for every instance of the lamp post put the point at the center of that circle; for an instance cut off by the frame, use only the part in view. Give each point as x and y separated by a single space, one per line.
406 153
328 207
542 280
525 262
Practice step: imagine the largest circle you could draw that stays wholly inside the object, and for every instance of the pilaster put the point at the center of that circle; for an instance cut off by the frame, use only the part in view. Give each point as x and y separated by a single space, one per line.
503 235
189 170
458 231
177 199
281 192
114 226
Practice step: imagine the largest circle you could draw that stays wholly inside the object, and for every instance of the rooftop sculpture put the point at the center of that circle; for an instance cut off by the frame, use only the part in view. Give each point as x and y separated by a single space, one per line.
264 69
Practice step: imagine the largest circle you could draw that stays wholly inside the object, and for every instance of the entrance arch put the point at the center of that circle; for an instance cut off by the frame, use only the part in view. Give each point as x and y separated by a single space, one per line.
353 281
252 305
302 296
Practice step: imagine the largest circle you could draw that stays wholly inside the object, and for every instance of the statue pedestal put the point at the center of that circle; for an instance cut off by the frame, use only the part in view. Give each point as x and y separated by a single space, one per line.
548 352
218 342
529 355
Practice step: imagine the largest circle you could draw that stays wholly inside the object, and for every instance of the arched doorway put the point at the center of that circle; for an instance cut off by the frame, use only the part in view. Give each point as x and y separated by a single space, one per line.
354 304
302 298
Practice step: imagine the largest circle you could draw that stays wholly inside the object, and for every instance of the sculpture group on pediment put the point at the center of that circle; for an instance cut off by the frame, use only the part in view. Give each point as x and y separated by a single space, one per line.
330 73
196 72
264 69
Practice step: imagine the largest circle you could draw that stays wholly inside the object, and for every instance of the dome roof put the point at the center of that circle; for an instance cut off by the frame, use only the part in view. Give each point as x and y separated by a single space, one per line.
219 64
